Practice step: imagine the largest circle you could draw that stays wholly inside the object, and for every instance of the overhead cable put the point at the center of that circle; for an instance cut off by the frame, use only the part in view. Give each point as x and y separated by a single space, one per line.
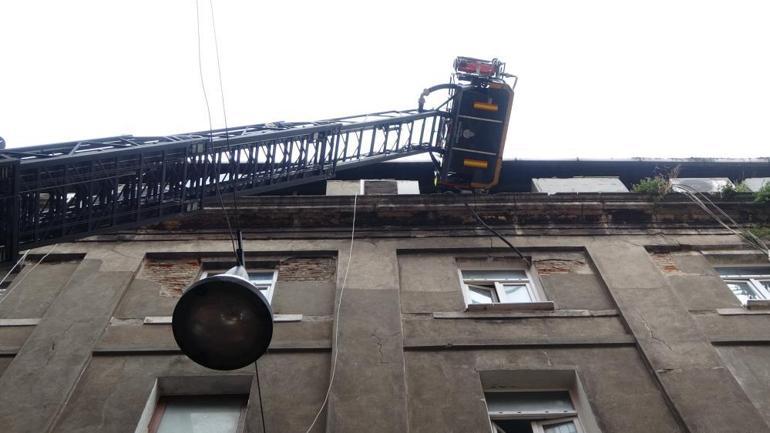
719 215
335 346
211 129
502 238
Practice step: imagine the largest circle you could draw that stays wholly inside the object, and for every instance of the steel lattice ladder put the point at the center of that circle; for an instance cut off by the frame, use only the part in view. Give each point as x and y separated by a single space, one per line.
58 192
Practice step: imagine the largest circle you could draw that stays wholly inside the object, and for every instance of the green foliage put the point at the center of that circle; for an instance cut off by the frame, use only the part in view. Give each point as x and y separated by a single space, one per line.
729 189
760 231
763 195
657 186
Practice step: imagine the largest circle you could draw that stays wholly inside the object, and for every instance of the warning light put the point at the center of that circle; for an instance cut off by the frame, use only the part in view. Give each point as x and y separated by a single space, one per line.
485 106
475 163
468 68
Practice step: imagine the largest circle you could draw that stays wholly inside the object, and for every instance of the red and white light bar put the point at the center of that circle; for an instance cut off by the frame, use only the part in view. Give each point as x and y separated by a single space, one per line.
478 67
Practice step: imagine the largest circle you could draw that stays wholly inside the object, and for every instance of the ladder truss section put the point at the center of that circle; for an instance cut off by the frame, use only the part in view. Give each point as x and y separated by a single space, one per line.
66 191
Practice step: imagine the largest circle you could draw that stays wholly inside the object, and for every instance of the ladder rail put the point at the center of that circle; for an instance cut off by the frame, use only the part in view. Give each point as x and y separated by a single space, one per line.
67 191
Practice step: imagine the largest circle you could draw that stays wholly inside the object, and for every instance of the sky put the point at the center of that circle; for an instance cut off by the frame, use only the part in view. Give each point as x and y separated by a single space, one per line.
597 79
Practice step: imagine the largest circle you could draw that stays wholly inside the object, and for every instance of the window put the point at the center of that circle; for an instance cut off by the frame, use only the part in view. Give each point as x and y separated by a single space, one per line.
499 287
748 283
532 412
198 414
264 280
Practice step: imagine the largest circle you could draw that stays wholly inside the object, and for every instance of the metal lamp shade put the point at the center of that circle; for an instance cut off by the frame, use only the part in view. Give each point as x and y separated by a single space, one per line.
223 322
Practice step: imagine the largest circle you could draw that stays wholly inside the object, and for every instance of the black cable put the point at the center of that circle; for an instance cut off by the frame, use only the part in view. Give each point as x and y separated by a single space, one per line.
224 115
486 226
259 391
211 131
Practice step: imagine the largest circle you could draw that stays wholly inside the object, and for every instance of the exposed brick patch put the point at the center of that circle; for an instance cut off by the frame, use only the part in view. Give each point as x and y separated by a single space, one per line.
307 269
172 275
559 266
665 262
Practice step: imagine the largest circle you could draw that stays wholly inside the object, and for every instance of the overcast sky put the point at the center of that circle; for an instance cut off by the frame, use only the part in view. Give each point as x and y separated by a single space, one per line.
598 79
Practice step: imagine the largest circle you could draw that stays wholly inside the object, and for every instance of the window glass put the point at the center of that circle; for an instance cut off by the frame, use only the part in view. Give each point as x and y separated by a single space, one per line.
743 290
766 284
200 414
495 276
482 295
516 293
562 427
261 278
540 402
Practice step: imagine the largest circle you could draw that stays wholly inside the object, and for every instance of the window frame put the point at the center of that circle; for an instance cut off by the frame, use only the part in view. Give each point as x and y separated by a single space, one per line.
270 289
538 419
755 282
531 283
539 426
162 402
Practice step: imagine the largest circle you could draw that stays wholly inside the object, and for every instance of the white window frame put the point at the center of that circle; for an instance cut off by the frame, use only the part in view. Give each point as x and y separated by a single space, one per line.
270 288
539 426
755 281
538 419
534 291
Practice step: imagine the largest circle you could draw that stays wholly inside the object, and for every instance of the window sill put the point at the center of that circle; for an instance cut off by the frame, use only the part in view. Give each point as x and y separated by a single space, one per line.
519 306
758 304
741 311
523 314
277 318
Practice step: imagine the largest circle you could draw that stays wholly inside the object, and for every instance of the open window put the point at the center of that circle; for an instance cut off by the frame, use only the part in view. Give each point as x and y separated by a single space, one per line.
199 413
502 289
532 412
536 401
750 284
262 279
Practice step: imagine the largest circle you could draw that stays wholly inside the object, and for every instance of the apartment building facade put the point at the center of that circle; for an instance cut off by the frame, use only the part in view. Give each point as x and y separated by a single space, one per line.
615 312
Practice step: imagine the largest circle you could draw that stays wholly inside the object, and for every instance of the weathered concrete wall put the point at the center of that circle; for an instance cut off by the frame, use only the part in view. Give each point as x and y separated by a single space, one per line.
638 327
36 384
446 395
701 390
113 391
751 367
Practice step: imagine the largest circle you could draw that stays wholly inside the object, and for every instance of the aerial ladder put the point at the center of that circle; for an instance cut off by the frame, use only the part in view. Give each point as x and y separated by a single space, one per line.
60 192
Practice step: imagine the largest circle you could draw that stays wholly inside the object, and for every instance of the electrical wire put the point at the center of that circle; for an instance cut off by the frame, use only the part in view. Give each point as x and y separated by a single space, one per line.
715 212
502 238
335 347
16 283
259 390
18 262
211 129
224 115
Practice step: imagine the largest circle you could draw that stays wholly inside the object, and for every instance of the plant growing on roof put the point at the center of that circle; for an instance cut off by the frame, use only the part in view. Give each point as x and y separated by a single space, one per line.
730 190
763 195
656 186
